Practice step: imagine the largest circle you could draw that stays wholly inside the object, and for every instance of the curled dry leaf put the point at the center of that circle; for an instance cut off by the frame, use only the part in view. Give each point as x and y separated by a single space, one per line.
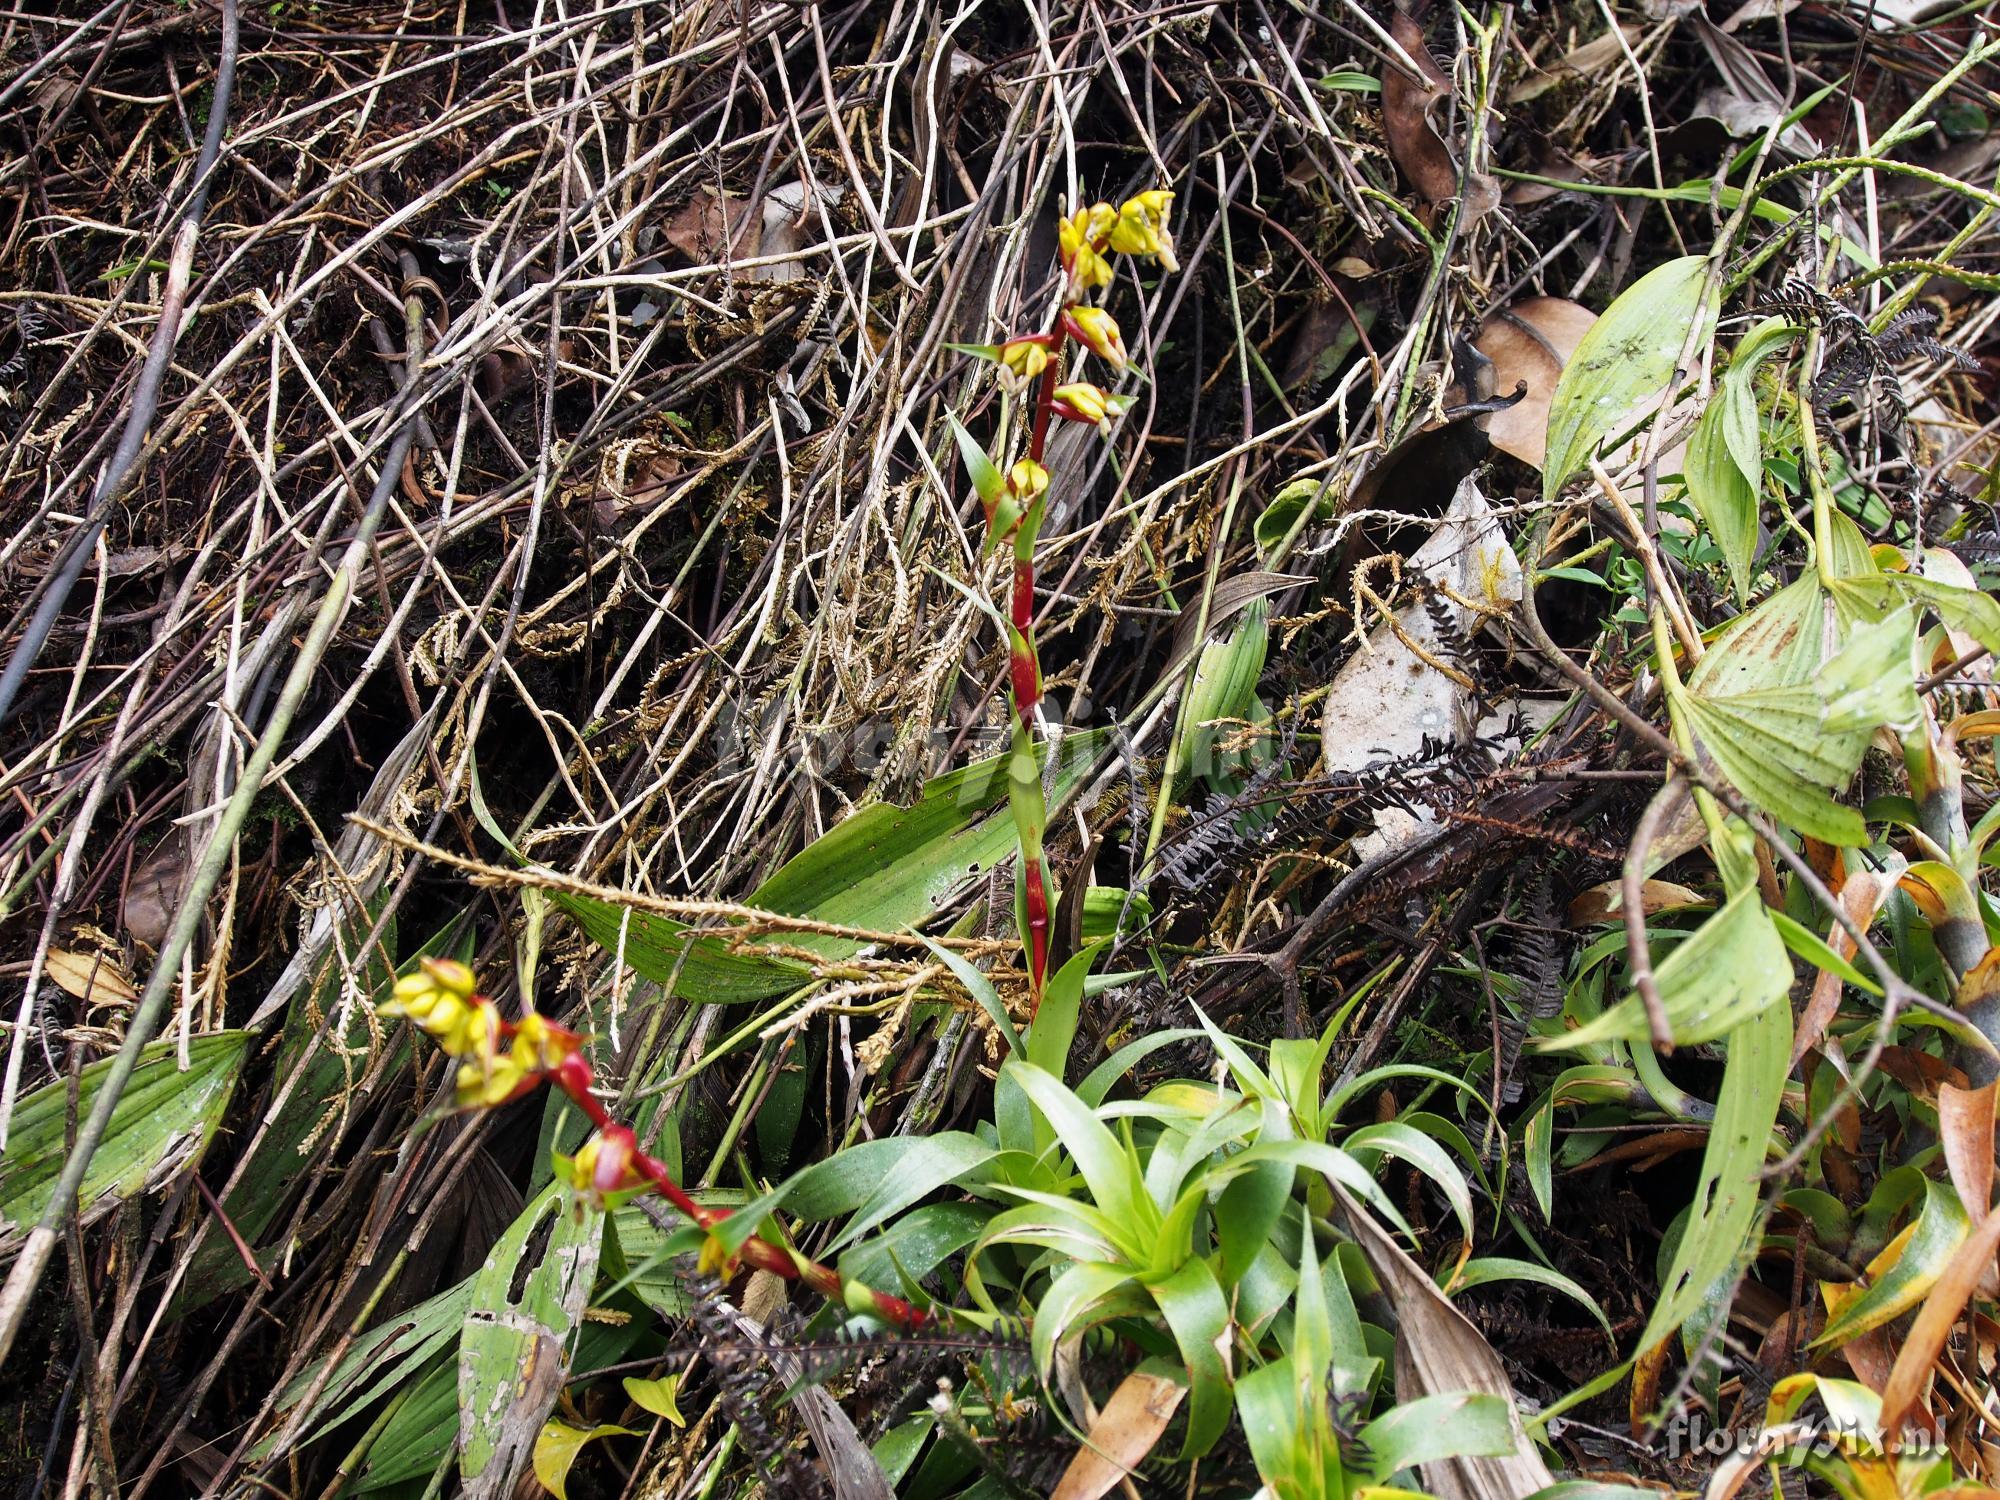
1965 1127
153 893
1438 1352
1970 1264
1420 152
1529 342
710 225
1861 896
91 977
1123 1434
1606 902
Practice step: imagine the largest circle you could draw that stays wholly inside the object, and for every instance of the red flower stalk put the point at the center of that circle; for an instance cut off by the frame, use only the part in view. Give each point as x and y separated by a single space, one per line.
502 1060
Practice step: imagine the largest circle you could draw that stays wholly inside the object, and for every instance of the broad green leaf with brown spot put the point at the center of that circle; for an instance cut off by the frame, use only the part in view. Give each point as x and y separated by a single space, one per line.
514 1353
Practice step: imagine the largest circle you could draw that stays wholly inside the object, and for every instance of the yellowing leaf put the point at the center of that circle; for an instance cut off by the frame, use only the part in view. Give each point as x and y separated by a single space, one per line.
557 1447
1906 1268
660 1397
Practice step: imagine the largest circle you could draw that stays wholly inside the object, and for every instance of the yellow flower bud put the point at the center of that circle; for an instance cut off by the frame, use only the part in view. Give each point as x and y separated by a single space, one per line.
434 997
1142 227
1026 480
1021 360
1084 402
1097 331
1080 242
539 1044
472 1029
490 1080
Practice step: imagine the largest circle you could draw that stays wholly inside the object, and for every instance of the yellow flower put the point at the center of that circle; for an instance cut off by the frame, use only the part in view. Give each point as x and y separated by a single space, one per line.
607 1164
1026 480
1097 331
436 998
1080 241
540 1045
1084 402
1021 360
1142 227
490 1079
464 1029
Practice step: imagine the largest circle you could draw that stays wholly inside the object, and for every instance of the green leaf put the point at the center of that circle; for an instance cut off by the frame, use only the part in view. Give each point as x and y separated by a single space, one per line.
389 1356
162 1123
1733 967
1808 945
1276 520
311 1080
419 1436
1054 1027
557 1447
1725 457
1069 1298
1453 1425
876 1180
979 468
1490 1268
1914 1261
660 1397
916 1244
981 989
1730 1189
1312 1347
1874 593
1192 1303
1624 364
1106 1168
1393 1138
1753 704
514 1352
1870 682
1268 1407
1245 1214
1725 500
887 868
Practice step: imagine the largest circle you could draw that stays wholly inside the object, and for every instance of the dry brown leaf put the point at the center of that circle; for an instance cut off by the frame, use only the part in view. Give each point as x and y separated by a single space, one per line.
1121 1437
1861 896
1439 1352
153 893
1419 151
1971 1263
1606 902
1529 342
1593 60
1965 1123
90 977
710 225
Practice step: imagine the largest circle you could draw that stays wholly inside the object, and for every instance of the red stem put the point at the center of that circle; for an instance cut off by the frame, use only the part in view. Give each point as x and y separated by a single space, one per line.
1027 672
573 1076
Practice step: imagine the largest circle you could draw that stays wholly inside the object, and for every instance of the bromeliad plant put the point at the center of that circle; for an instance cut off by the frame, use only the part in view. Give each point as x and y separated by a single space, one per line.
501 1060
1015 494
